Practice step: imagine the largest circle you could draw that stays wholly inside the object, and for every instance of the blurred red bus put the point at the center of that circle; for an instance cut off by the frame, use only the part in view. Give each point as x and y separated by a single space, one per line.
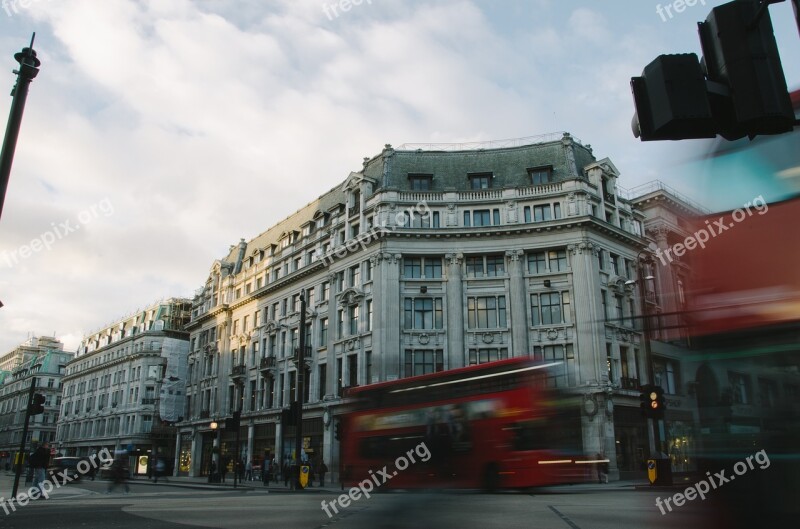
487 426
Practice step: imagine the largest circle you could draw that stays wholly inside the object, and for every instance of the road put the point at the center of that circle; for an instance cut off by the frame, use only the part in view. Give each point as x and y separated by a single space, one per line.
151 506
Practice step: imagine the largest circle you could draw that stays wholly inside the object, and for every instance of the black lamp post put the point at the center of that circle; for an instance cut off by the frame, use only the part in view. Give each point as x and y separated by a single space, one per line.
28 69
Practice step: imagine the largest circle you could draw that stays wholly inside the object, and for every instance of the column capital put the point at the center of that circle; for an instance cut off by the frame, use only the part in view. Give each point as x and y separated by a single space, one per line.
584 246
454 258
514 255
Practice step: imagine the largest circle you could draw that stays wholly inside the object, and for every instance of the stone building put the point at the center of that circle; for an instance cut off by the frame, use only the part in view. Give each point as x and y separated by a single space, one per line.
125 386
430 257
44 360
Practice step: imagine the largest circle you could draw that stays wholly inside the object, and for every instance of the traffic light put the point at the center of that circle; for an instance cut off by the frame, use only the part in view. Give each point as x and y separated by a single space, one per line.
337 432
232 423
37 406
658 404
671 100
739 89
740 52
651 401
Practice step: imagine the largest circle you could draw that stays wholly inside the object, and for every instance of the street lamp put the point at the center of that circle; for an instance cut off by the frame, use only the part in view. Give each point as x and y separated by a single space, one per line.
214 454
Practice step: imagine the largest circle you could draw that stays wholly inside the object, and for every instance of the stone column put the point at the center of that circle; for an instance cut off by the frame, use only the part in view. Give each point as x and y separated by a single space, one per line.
177 453
390 287
251 430
518 304
456 353
589 326
330 354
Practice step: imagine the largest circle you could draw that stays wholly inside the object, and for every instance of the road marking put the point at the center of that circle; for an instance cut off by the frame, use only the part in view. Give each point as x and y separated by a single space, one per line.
563 517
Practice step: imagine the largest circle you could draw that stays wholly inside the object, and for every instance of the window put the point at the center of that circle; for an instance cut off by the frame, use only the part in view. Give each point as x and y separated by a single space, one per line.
540 175
368 270
486 312
420 182
527 213
423 361
550 308
414 267
485 266
340 323
355 275
323 375
665 372
369 316
557 260
480 180
325 292
618 309
555 377
481 356
614 263
482 217
557 210
537 264
423 313
353 317
541 213
323 332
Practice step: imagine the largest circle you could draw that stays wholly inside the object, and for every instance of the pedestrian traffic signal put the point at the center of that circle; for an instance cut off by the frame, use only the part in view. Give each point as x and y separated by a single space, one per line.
37 406
739 89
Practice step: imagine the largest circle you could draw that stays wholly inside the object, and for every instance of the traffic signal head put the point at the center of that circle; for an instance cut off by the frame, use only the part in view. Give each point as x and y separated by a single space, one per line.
338 431
37 405
740 53
671 100
738 90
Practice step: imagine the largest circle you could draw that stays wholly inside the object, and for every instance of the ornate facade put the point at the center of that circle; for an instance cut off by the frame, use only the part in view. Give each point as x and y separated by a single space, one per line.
428 258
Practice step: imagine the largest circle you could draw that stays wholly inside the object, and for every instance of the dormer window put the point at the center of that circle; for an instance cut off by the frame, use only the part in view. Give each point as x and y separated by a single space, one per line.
480 180
541 175
420 182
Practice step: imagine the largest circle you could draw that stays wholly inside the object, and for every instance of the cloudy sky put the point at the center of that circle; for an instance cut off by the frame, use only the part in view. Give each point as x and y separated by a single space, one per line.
158 133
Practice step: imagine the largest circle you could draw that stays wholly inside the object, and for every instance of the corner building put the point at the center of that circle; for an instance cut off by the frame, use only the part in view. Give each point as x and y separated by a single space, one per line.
429 258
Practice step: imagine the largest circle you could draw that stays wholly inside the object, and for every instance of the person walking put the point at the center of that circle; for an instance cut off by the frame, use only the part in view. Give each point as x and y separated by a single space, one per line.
602 469
223 468
323 469
119 474
38 462
161 470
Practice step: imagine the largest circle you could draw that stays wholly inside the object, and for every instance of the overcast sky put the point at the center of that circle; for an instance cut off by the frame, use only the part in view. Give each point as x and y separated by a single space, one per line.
165 131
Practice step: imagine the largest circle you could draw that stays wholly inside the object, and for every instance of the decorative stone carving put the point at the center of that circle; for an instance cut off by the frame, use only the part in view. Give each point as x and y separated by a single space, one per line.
454 259
514 255
487 337
351 296
424 338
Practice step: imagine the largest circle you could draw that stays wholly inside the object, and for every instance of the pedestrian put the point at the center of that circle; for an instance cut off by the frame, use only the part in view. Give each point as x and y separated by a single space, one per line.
323 469
161 469
248 470
602 469
38 462
223 468
285 472
119 474
212 478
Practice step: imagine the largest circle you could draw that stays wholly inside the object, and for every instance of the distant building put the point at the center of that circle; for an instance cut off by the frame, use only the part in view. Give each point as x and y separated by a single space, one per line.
44 360
112 395
431 257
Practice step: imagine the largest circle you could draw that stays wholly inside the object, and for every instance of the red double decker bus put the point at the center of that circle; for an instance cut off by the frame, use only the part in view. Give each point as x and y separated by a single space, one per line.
488 426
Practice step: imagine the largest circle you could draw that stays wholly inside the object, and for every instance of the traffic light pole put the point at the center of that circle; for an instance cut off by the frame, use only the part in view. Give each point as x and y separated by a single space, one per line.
652 424
301 368
21 453
28 69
